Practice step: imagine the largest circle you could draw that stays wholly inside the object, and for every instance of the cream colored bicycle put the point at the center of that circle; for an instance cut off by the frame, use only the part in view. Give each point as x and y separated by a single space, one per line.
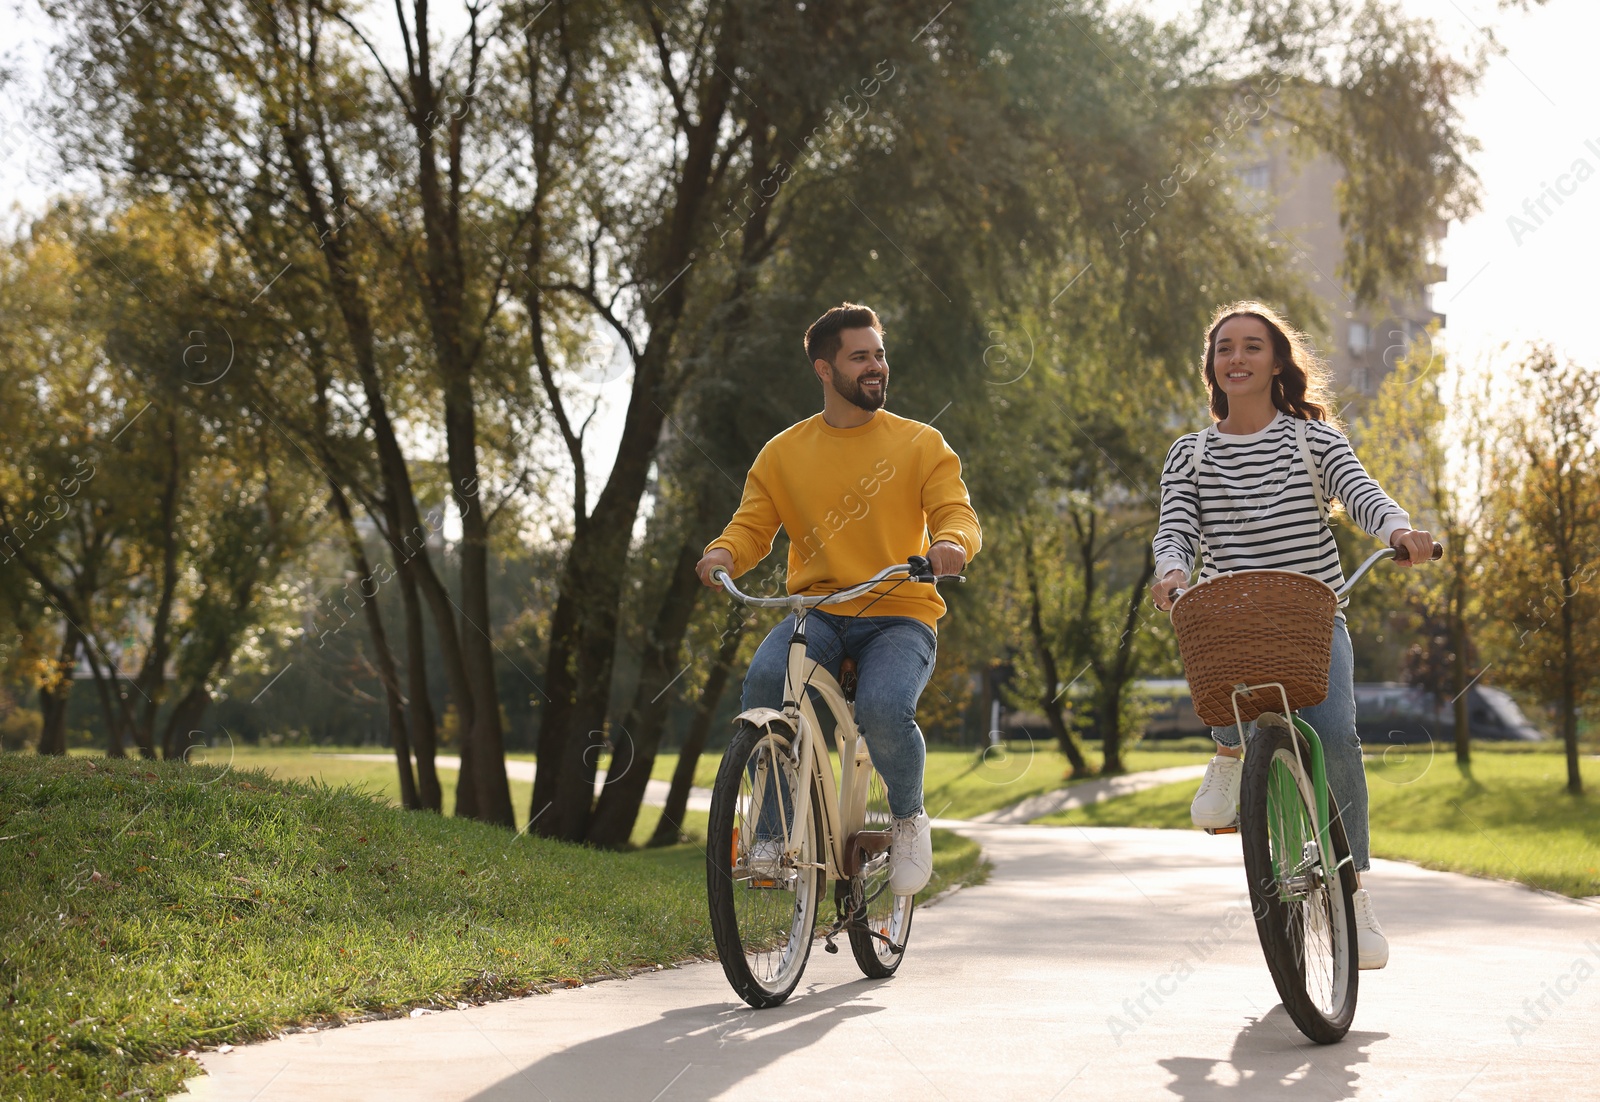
783 824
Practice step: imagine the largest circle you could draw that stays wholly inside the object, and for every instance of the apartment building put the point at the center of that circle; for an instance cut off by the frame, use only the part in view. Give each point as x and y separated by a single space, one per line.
1297 191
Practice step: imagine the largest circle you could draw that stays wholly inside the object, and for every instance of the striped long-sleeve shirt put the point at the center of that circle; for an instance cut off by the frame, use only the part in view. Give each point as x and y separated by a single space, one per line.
1255 504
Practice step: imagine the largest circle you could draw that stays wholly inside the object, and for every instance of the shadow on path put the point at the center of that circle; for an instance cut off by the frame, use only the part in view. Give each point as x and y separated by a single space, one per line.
693 1052
1271 1058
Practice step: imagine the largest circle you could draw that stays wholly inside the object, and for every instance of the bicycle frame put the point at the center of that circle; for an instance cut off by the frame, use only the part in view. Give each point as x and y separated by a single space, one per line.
1319 768
844 799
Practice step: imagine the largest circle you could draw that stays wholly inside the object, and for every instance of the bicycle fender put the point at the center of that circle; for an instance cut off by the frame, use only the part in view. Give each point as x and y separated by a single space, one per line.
763 717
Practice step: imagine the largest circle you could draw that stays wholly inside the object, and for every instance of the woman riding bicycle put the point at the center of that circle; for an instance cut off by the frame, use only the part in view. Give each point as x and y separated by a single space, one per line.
1252 492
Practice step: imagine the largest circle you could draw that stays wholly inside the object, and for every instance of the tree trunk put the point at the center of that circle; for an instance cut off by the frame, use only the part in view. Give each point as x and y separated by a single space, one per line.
1458 639
151 680
670 826
483 767
575 721
185 718
560 685
634 756
1050 697
1114 682
53 697
1569 689
424 729
113 705
483 747
398 738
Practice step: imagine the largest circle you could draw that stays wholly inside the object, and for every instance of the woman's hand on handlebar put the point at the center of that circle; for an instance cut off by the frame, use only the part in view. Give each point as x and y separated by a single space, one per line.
718 558
1161 591
1413 546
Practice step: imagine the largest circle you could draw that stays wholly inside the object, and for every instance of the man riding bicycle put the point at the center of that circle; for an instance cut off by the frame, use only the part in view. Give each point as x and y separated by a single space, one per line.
855 488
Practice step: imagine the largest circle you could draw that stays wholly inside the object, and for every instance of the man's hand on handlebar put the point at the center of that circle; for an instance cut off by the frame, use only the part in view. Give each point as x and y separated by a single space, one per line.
946 558
718 558
1161 591
1412 546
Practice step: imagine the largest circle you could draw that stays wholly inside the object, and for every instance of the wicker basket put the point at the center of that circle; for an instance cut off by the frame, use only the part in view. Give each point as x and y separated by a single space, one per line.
1253 627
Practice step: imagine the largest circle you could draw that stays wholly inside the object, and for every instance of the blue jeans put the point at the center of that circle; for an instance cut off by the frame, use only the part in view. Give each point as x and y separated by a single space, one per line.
894 658
1335 721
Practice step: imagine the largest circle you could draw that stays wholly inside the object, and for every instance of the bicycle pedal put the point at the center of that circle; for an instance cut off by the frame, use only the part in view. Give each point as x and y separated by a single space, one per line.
1232 829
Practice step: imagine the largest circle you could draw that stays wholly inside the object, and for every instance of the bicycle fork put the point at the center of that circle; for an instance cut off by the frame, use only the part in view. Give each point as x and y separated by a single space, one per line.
1322 826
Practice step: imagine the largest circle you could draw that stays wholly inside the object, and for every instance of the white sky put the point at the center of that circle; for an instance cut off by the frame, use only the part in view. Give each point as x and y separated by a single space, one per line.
1535 114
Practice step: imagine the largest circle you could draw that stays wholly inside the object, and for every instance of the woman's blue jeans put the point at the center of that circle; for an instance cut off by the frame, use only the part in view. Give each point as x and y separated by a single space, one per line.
894 658
1335 721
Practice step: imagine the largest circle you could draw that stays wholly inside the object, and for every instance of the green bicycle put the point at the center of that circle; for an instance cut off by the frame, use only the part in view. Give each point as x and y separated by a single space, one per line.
1249 640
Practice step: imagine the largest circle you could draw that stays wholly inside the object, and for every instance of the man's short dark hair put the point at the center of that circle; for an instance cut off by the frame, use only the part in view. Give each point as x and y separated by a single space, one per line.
822 339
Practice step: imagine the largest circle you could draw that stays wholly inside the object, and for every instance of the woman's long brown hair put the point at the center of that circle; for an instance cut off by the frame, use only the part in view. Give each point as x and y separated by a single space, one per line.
1300 388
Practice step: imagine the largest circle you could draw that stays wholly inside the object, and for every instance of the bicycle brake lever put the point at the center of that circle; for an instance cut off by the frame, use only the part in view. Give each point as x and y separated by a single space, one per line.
921 571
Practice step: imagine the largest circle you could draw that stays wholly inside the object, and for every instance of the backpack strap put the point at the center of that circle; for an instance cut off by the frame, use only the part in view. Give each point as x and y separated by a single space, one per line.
1197 455
1311 468
1194 473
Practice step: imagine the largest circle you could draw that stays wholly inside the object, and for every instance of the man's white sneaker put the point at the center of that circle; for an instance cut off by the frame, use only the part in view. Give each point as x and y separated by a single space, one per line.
1217 802
911 855
1372 948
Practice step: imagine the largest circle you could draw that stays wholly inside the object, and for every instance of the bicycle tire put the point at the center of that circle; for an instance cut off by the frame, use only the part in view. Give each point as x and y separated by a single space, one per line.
1305 919
762 939
875 910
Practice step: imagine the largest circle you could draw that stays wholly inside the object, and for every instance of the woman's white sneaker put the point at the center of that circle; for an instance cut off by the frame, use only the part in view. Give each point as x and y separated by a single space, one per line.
911 855
1372 948
1217 802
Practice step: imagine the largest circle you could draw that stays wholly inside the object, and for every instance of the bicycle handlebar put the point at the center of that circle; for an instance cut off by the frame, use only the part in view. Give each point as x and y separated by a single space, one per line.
916 569
1372 560
1386 553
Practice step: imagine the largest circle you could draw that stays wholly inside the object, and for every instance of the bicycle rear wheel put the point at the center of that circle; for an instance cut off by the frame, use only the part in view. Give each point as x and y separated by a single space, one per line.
880 922
763 900
1304 912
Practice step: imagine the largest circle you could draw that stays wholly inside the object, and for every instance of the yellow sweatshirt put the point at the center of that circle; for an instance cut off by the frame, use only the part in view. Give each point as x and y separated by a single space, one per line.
854 501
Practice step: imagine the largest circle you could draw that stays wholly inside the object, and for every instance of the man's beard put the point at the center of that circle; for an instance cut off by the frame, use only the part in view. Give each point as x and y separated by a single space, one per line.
851 391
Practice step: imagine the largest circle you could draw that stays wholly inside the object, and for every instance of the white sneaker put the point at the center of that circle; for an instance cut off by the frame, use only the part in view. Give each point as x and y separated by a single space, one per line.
1217 802
911 855
1371 946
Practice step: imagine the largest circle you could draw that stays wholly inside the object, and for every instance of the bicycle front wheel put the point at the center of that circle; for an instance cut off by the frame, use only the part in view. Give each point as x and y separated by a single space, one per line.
764 868
1304 911
880 921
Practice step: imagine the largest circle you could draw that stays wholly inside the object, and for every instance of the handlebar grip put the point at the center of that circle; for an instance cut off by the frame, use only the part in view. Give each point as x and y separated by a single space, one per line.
1438 553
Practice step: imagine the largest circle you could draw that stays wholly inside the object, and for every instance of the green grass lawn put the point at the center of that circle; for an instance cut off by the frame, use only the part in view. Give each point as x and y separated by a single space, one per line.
1509 817
962 783
153 907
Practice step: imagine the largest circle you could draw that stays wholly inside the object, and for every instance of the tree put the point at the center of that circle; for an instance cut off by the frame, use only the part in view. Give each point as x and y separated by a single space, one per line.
1545 506
167 505
1424 438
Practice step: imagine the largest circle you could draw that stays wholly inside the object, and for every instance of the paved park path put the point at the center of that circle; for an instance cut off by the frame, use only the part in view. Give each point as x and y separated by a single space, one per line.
1097 963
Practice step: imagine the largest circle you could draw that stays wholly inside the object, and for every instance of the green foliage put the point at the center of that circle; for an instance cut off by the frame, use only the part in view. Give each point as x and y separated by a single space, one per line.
1545 519
578 190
